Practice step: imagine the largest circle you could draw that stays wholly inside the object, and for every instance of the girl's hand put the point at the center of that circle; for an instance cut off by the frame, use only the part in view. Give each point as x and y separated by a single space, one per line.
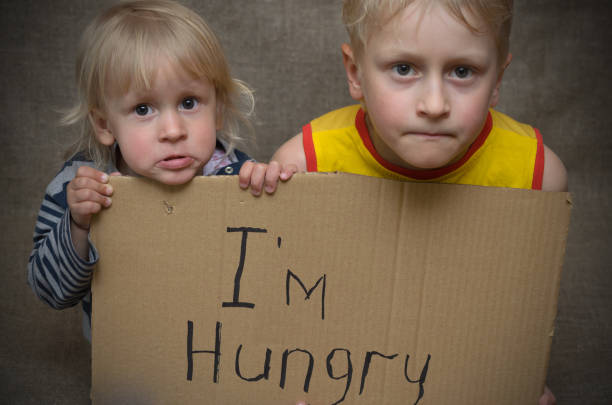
264 176
87 194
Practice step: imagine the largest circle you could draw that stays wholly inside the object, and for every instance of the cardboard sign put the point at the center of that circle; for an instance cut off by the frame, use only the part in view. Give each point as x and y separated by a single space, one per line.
339 289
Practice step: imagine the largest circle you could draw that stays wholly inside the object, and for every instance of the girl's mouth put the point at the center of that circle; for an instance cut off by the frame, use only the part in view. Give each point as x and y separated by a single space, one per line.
175 162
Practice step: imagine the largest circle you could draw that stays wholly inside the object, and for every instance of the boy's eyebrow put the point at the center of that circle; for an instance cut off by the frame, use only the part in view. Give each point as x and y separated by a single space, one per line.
396 54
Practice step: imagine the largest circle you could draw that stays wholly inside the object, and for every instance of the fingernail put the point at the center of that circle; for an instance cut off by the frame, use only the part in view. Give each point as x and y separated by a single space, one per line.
104 177
107 202
108 190
269 189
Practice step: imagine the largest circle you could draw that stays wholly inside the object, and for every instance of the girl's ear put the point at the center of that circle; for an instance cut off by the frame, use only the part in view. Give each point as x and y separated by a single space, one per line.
495 93
219 116
100 124
352 72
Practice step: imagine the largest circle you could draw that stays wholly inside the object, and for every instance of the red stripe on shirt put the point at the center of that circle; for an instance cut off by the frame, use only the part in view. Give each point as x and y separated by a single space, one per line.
309 150
421 174
538 168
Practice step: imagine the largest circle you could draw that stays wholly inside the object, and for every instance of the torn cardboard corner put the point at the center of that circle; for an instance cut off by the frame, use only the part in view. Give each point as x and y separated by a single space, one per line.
337 289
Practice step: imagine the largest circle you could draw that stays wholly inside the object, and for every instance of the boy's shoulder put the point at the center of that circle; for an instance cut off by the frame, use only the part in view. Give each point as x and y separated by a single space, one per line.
506 123
336 119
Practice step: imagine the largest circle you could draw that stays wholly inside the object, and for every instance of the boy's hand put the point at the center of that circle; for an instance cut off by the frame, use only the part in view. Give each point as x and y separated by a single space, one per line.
87 194
264 176
547 398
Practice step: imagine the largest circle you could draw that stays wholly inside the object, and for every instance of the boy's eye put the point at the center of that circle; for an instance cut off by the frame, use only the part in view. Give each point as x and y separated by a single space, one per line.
189 103
462 72
142 109
403 69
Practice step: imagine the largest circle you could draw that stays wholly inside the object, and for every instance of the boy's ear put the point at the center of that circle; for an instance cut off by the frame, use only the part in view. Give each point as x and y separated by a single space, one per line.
352 72
495 94
100 124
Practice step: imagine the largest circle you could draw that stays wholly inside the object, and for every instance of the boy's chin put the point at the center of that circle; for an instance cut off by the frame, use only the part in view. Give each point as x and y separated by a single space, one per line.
423 163
430 159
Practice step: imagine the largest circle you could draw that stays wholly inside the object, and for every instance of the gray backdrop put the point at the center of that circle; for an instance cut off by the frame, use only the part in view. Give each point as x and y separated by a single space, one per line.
288 50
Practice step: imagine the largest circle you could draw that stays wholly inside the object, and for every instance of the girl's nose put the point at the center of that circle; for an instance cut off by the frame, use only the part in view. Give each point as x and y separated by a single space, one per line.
172 127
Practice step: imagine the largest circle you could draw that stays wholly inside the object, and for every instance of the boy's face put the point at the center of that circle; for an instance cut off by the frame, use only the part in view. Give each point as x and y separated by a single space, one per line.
166 133
427 82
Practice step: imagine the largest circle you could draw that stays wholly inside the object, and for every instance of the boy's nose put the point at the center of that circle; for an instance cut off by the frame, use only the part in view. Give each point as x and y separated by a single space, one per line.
433 102
172 127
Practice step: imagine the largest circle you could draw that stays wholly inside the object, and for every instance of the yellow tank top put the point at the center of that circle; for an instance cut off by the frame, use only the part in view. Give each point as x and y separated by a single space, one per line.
506 153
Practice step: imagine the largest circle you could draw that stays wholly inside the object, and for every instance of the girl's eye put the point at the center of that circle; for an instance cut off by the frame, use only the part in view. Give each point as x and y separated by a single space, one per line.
142 110
462 72
189 103
403 69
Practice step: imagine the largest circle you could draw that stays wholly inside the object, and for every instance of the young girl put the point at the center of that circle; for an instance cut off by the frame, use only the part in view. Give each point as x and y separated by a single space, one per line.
156 100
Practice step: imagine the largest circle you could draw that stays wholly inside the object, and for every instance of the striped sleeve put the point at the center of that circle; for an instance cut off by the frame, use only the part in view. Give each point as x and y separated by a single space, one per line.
56 273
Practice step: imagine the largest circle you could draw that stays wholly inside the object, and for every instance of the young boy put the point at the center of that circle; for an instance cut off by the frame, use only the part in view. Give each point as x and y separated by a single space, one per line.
426 74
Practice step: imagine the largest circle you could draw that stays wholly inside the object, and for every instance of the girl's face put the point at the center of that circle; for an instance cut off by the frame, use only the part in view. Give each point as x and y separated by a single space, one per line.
166 133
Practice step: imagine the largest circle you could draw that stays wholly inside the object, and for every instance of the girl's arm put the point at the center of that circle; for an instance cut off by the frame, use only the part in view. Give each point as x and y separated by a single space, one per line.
57 273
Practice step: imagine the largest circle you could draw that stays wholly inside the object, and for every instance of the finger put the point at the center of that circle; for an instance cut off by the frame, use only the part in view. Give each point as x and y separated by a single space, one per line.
88 195
85 209
90 172
244 176
88 183
288 171
81 213
257 178
116 174
271 177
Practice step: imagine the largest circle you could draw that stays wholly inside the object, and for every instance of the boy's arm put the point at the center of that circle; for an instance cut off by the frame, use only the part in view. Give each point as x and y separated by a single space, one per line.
292 152
553 179
555 175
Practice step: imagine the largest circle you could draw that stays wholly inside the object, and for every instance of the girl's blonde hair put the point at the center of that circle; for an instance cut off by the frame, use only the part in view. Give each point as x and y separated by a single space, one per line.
120 50
361 17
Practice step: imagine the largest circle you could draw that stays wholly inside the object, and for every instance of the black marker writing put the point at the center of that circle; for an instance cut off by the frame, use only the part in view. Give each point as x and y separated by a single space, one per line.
236 299
266 372
421 379
366 366
291 275
216 352
286 354
348 375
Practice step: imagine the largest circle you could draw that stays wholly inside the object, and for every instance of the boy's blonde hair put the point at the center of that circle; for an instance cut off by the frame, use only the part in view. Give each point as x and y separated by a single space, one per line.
361 17
120 49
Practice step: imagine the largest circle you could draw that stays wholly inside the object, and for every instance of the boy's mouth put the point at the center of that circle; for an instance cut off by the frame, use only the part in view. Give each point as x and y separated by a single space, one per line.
431 135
